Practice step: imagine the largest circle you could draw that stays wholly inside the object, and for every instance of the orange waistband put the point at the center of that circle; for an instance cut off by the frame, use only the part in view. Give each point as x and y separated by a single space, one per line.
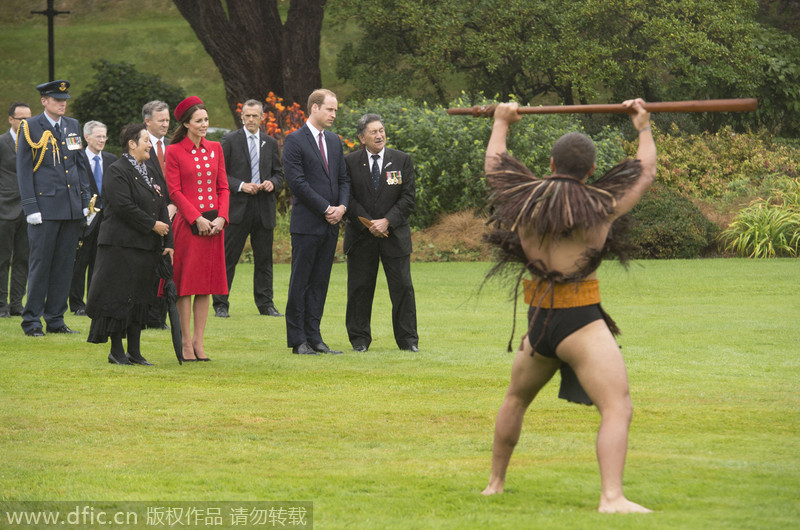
573 294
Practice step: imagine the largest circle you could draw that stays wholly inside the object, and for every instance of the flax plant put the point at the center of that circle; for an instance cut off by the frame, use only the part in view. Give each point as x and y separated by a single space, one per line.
767 230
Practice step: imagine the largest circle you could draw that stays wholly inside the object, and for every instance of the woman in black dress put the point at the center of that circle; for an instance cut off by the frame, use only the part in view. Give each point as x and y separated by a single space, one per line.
134 234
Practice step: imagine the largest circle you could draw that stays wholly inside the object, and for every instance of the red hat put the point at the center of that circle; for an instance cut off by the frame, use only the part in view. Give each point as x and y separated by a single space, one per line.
191 101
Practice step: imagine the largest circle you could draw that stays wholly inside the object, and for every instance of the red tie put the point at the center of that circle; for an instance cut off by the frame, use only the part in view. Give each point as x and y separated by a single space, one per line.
160 154
322 150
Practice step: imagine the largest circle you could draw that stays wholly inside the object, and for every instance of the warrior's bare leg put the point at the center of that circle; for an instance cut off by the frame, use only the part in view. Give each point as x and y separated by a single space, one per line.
594 355
528 376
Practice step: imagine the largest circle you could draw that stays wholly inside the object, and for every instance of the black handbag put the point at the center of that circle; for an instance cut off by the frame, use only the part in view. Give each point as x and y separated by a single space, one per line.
210 215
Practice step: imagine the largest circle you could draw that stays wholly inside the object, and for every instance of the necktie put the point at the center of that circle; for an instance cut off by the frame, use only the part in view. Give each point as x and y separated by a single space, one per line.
254 169
160 155
322 150
98 173
57 128
376 172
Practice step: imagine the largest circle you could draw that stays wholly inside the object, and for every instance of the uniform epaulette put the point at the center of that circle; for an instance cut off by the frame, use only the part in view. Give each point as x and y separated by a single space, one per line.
40 146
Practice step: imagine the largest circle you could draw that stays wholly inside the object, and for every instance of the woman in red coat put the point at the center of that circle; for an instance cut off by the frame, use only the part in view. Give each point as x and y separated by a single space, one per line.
198 186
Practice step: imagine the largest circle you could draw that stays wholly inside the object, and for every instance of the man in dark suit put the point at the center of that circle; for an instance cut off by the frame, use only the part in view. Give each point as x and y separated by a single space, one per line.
13 228
156 119
255 177
381 191
54 187
313 162
97 161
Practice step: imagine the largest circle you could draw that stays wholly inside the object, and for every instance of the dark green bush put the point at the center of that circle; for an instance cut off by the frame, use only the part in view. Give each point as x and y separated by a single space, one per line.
667 225
117 97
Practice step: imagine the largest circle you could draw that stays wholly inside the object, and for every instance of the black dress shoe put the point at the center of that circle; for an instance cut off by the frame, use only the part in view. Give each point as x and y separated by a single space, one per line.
138 359
5 313
221 312
323 348
61 329
270 311
35 332
304 349
114 360
80 312
16 311
360 347
413 347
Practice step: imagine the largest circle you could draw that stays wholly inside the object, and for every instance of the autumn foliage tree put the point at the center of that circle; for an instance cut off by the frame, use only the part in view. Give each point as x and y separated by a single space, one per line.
254 51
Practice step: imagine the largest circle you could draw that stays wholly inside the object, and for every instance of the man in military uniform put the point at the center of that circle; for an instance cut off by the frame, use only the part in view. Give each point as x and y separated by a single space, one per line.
54 187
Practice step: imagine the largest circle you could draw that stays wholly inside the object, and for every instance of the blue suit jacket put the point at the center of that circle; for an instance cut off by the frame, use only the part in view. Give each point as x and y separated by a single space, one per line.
313 187
59 189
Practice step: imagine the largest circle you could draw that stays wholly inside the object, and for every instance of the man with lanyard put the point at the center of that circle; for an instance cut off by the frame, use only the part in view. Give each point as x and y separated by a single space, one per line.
54 187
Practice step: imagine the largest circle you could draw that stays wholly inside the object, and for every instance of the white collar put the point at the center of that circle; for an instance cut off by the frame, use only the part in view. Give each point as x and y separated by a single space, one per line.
314 131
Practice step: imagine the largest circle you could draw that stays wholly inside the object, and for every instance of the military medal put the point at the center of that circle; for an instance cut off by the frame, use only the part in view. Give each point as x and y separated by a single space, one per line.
394 177
73 142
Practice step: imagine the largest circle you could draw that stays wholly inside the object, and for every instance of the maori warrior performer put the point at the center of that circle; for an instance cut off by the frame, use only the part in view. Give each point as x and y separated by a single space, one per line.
560 228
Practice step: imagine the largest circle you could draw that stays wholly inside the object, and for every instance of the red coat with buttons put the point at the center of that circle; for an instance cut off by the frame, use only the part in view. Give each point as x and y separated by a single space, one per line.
197 183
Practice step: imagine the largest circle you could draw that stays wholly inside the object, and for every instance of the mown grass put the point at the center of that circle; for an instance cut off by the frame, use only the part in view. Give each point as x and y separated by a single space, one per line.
392 439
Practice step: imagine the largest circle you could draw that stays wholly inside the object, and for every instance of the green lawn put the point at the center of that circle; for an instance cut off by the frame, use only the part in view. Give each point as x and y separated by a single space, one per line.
391 439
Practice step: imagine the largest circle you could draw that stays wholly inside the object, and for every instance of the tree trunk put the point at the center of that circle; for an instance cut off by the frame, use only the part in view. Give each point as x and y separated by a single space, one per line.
254 52
301 44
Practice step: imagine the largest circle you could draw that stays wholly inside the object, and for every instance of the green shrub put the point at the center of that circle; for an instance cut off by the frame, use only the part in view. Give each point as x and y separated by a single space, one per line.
448 151
117 97
767 230
667 225
724 165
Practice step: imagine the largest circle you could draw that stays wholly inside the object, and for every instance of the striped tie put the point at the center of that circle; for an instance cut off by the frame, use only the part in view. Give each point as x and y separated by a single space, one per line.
255 171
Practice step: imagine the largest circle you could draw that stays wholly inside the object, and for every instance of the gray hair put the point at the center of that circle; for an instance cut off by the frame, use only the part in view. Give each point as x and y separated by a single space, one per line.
253 103
90 126
153 106
365 120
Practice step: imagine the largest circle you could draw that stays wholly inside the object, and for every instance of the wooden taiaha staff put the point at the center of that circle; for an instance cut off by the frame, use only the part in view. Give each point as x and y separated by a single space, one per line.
702 105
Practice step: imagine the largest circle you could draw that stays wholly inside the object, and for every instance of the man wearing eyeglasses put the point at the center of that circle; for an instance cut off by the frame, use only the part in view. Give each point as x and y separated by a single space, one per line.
13 228
97 161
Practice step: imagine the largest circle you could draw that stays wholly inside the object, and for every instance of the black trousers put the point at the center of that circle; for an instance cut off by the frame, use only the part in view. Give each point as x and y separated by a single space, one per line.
362 273
13 255
312 261
82 270
261 242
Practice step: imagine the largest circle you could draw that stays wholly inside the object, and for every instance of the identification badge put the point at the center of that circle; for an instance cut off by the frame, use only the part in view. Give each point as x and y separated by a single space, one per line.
394 177
73 142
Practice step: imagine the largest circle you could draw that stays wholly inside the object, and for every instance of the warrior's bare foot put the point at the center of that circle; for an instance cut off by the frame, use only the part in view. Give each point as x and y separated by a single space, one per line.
621 505
492 489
